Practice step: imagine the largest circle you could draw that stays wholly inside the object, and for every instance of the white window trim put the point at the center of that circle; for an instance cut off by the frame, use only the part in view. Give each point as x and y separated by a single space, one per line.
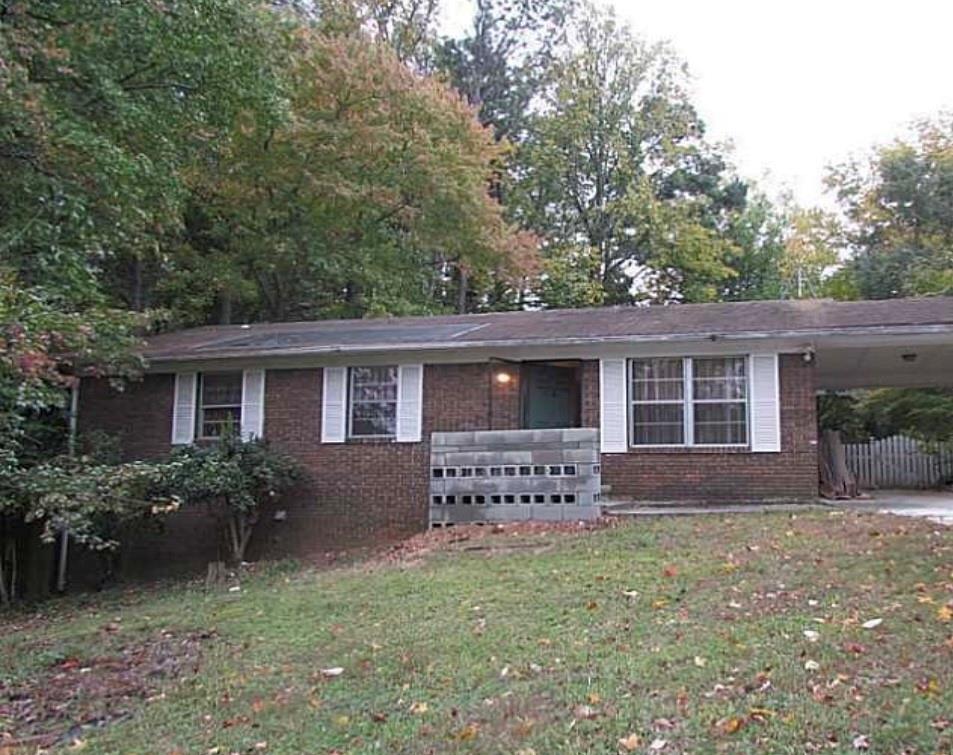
688 402
349 404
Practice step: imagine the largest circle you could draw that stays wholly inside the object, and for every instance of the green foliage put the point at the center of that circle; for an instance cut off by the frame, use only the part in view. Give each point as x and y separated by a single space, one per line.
922 413
362 204
240 475
615 160
899 207
502 63
92 501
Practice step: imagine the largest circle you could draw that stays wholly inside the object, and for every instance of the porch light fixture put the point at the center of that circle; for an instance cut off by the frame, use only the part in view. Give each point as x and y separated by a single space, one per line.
503 377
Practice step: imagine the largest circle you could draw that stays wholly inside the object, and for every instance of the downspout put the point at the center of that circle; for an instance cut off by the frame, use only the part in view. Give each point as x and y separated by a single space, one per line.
71 451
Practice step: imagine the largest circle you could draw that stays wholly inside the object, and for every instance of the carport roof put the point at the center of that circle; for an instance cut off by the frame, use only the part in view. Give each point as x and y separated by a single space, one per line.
690 322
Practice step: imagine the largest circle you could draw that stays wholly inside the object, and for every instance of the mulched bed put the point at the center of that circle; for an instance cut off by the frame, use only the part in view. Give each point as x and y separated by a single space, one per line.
75 695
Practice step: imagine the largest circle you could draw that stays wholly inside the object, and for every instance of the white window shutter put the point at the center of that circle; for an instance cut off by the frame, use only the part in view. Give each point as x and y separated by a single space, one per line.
410 381
765 404
334 405
183 408
612 409
253 404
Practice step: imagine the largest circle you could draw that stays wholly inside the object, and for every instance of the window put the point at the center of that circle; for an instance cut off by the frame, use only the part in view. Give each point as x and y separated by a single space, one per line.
689 401
373 402
720 401
658 402
219 404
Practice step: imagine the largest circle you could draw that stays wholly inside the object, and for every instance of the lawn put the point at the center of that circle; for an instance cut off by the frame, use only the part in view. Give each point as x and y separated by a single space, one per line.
768 633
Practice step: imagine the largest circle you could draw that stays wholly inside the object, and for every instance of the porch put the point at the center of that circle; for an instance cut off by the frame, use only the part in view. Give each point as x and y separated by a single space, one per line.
514 475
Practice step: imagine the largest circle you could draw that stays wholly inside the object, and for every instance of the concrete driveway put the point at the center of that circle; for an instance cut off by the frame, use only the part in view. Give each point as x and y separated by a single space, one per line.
937 506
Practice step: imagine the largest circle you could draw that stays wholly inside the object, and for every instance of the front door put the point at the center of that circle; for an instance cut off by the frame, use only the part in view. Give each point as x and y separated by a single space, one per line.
550 396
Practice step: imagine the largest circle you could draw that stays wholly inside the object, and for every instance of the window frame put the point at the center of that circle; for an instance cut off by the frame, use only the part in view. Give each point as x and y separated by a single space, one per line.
631 403
688 402
201 406
349 404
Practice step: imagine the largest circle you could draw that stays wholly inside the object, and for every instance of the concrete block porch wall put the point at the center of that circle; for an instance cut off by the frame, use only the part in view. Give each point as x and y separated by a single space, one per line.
514 475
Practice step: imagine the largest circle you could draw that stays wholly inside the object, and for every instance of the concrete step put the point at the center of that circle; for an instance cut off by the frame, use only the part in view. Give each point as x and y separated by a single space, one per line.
656 508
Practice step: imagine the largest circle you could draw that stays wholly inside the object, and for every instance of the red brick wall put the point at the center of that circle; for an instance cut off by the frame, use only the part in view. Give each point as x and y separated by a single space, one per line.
721 475
353 493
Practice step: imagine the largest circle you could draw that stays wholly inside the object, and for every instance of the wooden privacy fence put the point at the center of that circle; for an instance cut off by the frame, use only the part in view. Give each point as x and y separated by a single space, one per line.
900 462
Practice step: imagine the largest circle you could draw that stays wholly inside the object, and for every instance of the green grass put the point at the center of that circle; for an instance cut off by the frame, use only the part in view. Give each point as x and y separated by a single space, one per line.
528 643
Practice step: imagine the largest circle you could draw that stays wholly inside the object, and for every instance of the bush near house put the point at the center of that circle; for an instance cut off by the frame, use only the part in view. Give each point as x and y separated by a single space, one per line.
241 475
99 503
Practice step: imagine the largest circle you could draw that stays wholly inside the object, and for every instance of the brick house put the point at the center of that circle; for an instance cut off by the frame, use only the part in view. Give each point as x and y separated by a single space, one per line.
402 421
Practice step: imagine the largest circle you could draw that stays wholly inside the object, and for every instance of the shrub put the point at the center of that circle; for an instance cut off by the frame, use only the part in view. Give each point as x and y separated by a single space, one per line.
241 475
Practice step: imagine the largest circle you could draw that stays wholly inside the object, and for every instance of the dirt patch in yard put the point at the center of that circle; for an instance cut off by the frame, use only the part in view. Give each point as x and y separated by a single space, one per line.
491 538
75 695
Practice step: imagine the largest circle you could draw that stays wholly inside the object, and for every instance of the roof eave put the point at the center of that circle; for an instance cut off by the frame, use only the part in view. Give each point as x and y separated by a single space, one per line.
159 359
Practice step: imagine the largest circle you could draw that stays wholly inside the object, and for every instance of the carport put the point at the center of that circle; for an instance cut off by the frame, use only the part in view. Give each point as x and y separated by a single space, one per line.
900 351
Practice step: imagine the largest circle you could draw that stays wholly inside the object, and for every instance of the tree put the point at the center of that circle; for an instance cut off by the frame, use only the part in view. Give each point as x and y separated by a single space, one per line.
809 253
364 202
107 109
898 204
239 475
615 160
504 61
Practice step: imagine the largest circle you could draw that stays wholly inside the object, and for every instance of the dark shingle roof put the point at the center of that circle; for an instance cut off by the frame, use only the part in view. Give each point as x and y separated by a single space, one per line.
685 321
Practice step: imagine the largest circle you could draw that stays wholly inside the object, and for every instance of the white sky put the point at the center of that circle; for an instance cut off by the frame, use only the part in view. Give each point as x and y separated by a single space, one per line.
796 86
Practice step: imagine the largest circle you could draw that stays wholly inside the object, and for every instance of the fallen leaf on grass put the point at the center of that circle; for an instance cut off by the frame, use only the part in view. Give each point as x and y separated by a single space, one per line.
700 662
630 743
467 733
872 623
855 647
418 709
730 725
945 613
657 744
811 665
861 742
330 673
811 635
584 712
670 571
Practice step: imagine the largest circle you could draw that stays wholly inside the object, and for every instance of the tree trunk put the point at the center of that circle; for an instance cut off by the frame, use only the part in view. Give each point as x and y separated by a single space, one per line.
836 479
463 291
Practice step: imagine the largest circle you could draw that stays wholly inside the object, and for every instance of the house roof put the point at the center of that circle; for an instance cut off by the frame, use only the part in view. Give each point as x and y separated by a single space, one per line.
735 320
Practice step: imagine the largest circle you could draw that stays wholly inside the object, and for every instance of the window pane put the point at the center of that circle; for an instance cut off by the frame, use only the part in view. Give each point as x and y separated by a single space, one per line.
657 380
375 392
658 424
218 422
373 400
221 389
714 379
374 419
373 375
721 424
